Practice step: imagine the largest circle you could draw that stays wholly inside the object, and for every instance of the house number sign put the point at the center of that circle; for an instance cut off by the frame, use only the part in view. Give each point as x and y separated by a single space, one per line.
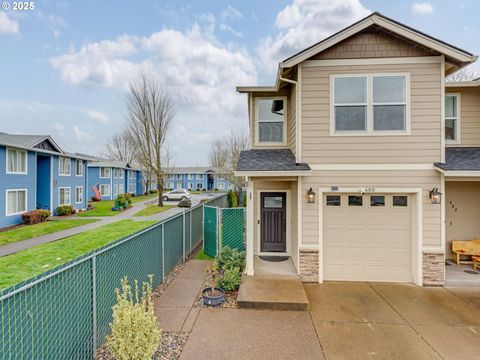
368 190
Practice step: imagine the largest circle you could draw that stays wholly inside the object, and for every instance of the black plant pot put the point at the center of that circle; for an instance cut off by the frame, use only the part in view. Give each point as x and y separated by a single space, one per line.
212 300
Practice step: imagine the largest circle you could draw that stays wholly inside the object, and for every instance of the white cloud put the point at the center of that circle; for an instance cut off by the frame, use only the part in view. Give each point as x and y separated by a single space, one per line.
81 135
306 22
225 27
8 26
98 116
231 13
422 8
59 129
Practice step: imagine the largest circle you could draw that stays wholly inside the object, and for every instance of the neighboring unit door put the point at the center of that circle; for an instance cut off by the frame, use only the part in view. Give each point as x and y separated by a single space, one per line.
367 237
273 222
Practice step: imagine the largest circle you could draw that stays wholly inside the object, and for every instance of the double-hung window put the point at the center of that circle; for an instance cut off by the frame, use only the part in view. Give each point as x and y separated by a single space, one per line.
64 196
79 194
79 168
452 118
104 190
64 166
120 189
105 172
16 201
16 161
370 104
199 176
271 121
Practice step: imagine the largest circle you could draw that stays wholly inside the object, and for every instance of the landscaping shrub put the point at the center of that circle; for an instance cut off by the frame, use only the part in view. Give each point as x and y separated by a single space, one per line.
230 279
153 191
64 210
96 198
135 332
232 199
229 258
35 216
185 203
123 201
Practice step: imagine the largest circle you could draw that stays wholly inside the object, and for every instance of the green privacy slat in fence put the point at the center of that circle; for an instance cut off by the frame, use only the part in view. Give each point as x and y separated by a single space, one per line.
51 316
210 230
233 228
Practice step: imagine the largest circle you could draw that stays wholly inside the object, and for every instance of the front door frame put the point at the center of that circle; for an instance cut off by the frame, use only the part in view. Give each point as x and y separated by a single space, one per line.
417 225
288 227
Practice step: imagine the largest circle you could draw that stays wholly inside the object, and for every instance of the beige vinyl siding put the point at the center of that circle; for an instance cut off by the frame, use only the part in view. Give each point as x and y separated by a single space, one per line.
423 145
267 185
373 43
461 215
290 118
469 115
425 179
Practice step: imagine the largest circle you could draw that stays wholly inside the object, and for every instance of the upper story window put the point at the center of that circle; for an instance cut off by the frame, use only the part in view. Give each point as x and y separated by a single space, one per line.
79 168
16 161
132 174
64 166
105 172
370 104
199 176
120 173
271 122
179 176
452 118
190 176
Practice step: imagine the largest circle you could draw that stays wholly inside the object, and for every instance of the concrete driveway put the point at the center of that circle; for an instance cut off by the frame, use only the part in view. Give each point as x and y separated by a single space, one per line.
347 321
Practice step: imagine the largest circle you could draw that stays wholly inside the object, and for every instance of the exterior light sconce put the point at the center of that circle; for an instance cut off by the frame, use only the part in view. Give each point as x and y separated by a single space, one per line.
311 196
435 196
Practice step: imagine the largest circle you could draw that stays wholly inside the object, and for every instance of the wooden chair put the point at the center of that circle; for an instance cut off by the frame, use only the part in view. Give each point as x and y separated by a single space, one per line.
465 248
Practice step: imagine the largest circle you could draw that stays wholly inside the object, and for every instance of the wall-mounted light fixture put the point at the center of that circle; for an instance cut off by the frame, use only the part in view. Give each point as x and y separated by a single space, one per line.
435 196
311 196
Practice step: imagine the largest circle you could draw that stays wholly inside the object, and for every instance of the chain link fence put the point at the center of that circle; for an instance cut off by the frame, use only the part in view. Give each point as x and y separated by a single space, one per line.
223 227
65 313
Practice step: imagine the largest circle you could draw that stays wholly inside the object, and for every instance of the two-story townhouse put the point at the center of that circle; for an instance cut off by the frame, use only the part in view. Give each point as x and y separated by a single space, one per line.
343 173
35 173
112 178
197 178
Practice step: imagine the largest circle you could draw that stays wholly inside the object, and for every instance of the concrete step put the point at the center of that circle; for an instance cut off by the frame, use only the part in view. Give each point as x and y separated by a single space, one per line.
272 293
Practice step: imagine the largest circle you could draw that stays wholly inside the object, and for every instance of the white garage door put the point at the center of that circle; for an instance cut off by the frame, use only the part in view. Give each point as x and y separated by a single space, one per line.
367 237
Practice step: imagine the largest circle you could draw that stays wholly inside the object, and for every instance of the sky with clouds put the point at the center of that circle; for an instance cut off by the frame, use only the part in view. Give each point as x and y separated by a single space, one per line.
65 65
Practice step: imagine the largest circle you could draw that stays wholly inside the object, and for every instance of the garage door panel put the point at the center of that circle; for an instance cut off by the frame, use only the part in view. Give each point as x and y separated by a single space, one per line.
365 243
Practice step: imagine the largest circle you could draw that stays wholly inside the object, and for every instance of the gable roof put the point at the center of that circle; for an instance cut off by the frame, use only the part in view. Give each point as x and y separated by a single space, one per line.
111 163
450 51
461 159
28 141
261 160
195 170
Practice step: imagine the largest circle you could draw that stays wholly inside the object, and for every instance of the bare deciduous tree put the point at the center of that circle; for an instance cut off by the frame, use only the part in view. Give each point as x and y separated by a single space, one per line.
225 152
150 112
466 74
121 147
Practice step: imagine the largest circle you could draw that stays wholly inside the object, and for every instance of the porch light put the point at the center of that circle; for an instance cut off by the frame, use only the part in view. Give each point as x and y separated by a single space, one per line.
435 196
311 196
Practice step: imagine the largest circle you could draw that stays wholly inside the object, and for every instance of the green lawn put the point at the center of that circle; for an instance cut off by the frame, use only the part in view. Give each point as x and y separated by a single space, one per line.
202 256
144 197
101 208
30 231
36 260
152 210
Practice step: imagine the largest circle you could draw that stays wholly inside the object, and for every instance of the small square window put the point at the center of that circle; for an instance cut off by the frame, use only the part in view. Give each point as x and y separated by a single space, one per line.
377 200
334 200
273 202
355 200
400 200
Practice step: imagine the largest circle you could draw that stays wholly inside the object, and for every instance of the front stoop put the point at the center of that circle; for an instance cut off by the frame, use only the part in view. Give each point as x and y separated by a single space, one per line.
272 293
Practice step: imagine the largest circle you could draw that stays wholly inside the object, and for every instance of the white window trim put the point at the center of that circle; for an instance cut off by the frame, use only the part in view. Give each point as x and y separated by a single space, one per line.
76 167
60 168
115 189
69 195
121 173
26 162
109 172
285 111
6 201
121 190
76 192
199 186
200 177
369 128
107 186
457 126
190 176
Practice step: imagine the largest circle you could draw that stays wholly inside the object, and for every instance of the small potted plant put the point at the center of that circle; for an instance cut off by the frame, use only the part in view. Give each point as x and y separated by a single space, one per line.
213 295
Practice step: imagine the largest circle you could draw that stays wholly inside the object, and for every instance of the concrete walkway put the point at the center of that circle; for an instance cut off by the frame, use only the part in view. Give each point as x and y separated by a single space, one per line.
346 321
102 220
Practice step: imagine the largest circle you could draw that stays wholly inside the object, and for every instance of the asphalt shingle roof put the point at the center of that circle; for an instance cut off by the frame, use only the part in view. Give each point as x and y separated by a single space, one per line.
24 141
195 170
461 159
269 160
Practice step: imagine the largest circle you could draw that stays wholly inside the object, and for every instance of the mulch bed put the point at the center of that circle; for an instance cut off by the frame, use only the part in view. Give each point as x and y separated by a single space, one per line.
170 348
229 300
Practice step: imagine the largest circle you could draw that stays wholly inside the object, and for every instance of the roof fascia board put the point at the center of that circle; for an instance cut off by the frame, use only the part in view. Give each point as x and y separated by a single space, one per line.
253 173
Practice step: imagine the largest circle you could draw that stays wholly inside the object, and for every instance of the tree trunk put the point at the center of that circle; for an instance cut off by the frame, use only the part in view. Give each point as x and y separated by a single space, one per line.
160 193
